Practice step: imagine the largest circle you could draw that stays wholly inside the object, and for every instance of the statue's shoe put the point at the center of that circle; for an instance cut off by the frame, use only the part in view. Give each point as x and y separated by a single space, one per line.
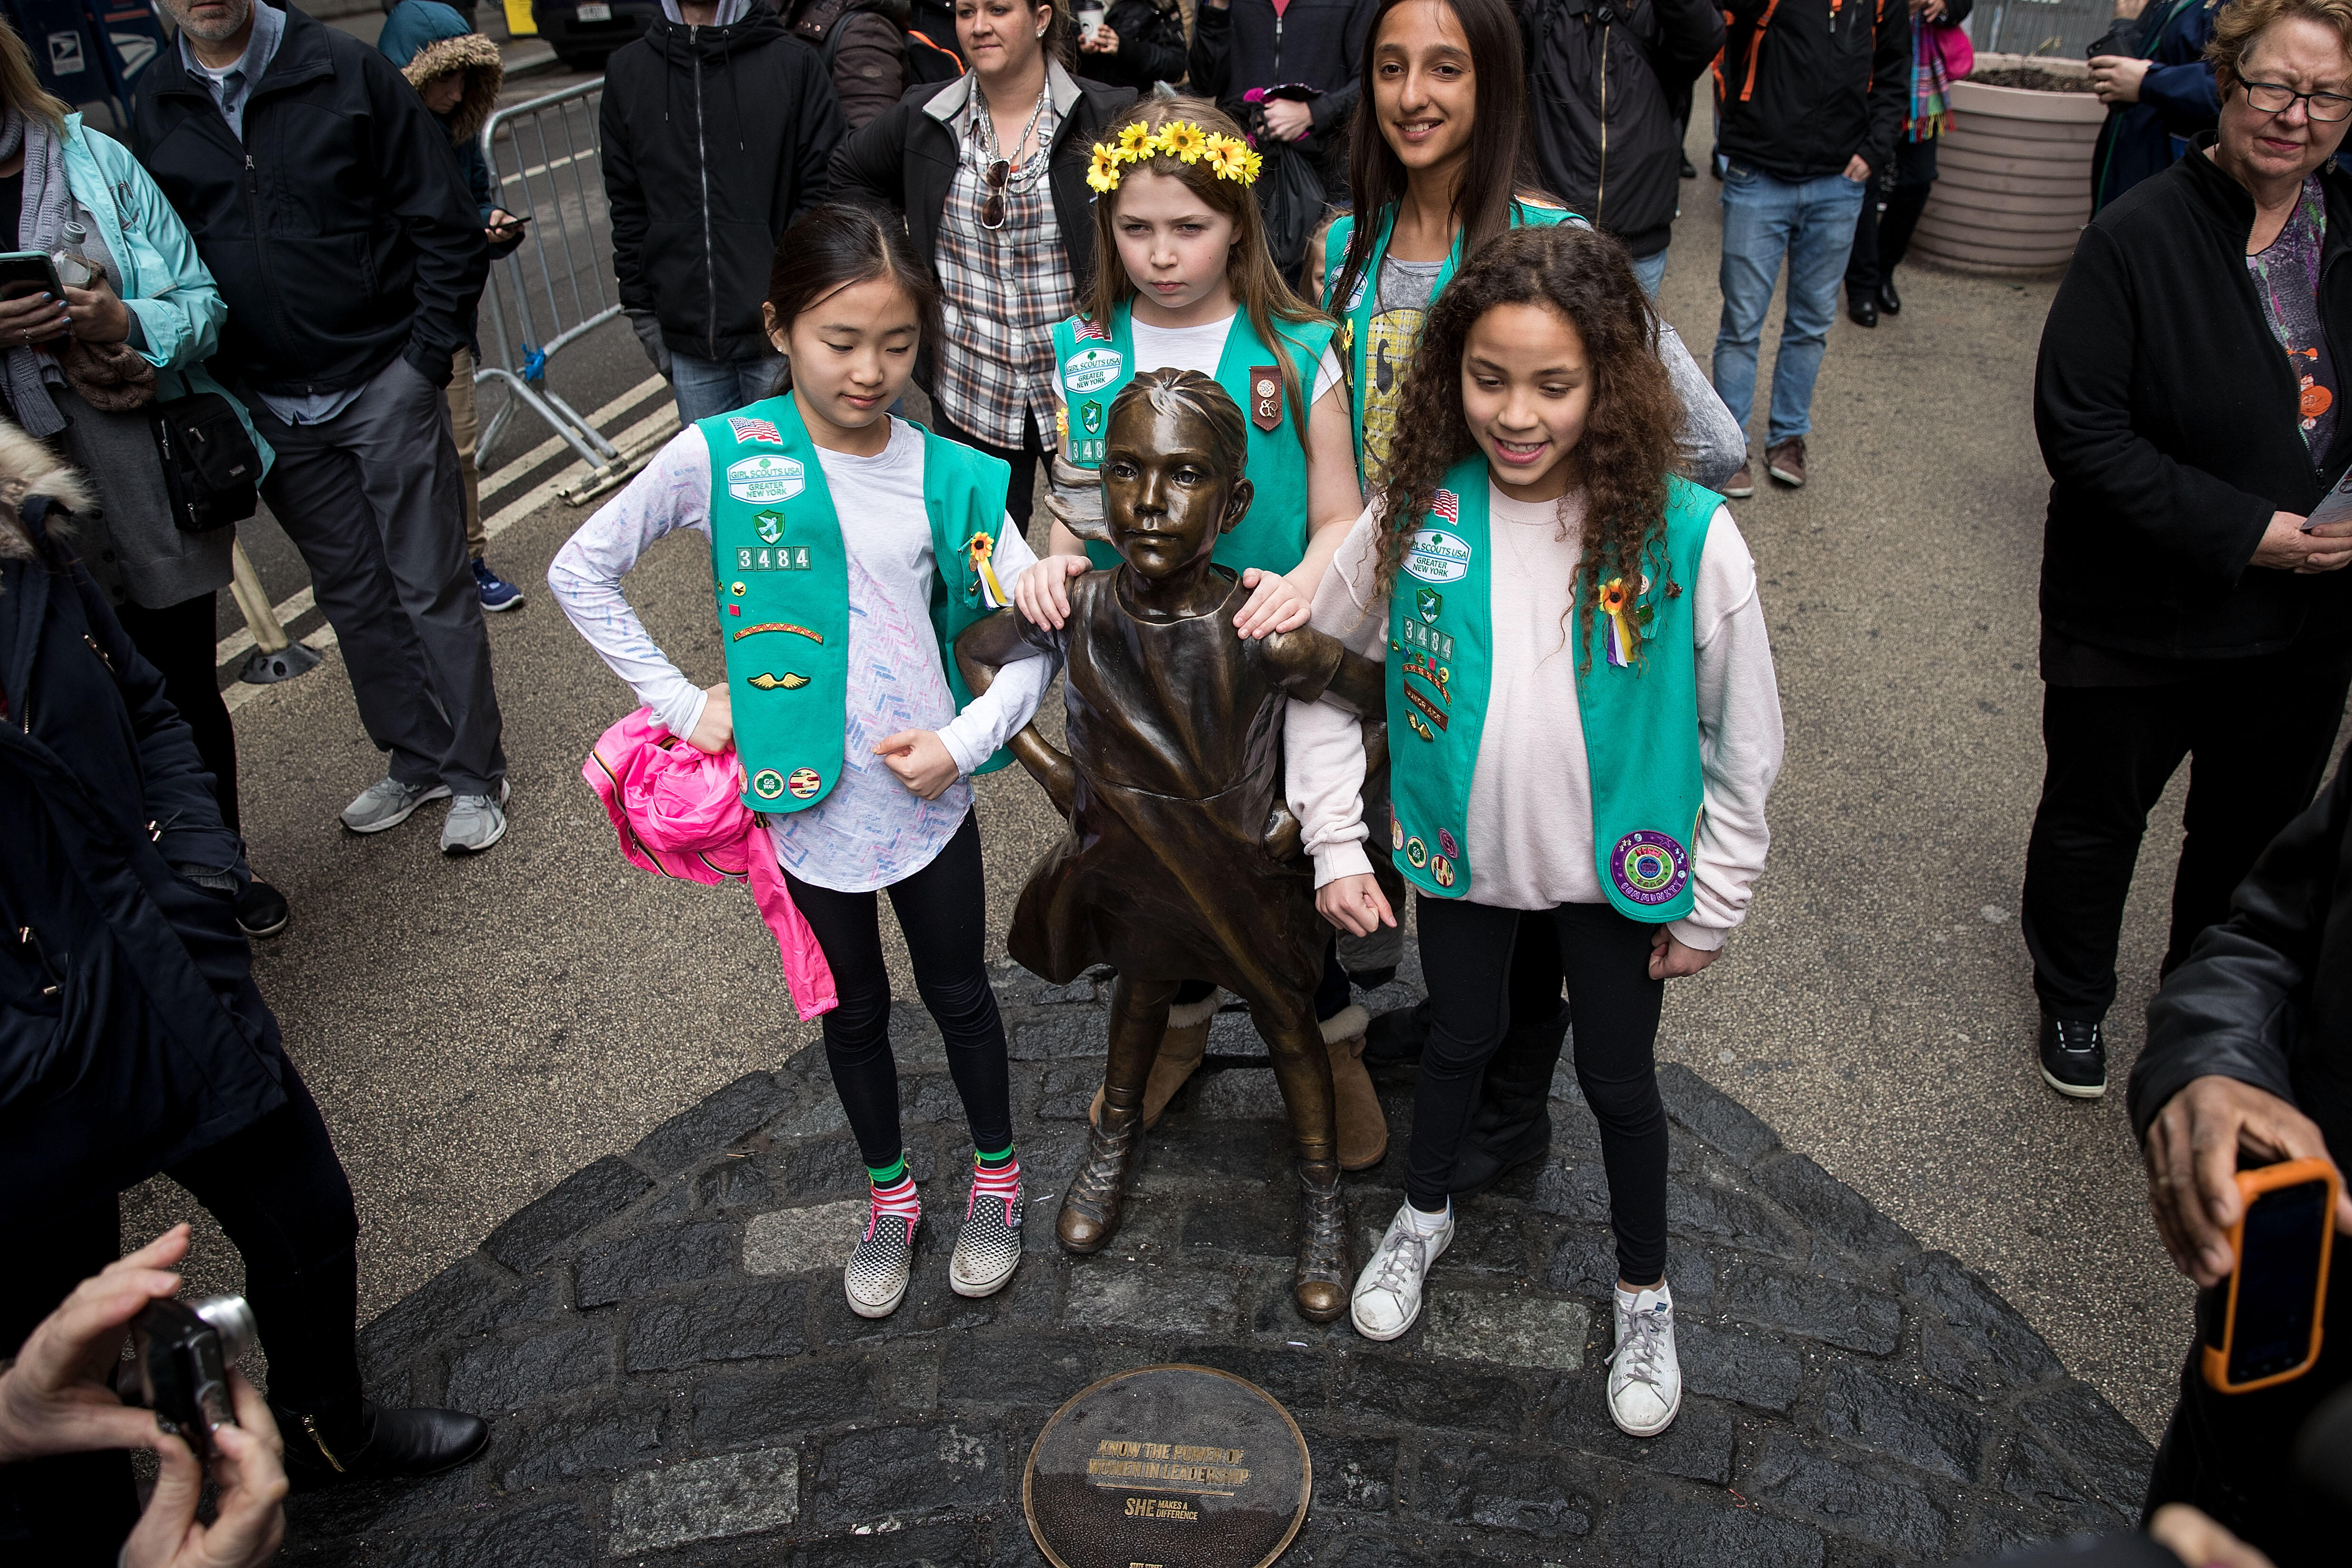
1320 1285
1090 1209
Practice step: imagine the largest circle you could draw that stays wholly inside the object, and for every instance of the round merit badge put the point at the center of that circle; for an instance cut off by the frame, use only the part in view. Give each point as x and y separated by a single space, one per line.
1416 854
803 783
1445 842
767 784
1441 870
1649 868
1396 832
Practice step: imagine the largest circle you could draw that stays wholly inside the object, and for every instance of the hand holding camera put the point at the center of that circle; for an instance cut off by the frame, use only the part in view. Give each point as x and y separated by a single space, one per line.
57 1399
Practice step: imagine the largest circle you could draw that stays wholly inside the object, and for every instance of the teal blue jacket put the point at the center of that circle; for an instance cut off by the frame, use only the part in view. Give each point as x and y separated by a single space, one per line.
164 284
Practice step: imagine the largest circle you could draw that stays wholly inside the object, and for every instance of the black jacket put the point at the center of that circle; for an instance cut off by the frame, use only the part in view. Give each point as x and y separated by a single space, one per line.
2265 997
346 238
1807 84
131 1032
1152 45
1601 77
1318 42
715 140
2169 420
904 160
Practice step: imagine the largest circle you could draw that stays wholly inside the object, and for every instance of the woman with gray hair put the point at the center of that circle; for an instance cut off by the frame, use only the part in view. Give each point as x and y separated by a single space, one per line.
139 316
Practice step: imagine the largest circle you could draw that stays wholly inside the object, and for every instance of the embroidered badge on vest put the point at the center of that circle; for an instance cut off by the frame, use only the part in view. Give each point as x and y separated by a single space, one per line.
755 430
1095 332
1091 370
1649 868
764 478
1266 397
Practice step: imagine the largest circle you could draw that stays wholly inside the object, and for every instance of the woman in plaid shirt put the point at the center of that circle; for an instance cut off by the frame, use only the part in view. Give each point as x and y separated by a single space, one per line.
990 172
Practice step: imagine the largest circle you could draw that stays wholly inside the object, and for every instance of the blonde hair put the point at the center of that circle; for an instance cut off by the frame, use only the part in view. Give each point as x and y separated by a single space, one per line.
2236 25
21 88
1250 272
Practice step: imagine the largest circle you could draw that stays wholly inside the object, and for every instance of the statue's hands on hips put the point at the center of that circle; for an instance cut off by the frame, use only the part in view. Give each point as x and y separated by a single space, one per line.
1355 904
920 760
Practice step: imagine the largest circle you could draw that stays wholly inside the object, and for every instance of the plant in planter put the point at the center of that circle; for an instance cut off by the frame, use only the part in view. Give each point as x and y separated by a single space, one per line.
2015 171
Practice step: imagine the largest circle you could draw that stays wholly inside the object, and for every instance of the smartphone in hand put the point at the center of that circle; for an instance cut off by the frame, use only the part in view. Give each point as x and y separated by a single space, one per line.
2262 1325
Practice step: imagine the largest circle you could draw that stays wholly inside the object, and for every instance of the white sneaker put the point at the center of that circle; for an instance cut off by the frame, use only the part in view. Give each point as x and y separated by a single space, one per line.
388 803
879 1267
1645 1380
1388 1293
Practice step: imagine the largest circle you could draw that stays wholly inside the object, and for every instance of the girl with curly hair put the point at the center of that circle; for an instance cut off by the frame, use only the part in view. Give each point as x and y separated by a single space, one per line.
1584 727
1190 285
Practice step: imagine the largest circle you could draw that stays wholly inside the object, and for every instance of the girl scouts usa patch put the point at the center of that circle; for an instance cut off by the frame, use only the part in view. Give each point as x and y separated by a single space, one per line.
1091 370
1649 868
765 479
1437 556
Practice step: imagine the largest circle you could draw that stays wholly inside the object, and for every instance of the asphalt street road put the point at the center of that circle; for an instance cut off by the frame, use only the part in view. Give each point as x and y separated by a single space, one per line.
477 1030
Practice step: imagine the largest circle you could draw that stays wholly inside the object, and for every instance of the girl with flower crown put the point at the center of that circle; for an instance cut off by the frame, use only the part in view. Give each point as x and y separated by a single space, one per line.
1195 289
1585 723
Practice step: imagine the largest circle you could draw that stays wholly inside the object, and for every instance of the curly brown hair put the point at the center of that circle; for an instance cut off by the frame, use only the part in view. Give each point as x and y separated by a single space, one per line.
1628 447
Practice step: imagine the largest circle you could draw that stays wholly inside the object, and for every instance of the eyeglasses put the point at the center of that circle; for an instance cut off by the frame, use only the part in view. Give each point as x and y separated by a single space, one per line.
991 211
2277 98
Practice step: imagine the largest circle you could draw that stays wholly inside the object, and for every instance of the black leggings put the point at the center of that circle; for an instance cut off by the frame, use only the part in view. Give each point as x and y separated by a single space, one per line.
179 642
278 1191
943 910
1465 954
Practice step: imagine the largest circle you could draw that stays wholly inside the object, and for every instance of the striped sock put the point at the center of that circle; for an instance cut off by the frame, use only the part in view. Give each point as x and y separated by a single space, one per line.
996 1176
896 1198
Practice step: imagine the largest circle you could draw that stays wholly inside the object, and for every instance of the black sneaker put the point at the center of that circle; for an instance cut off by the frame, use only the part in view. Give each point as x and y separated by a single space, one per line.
2073 1057
261 910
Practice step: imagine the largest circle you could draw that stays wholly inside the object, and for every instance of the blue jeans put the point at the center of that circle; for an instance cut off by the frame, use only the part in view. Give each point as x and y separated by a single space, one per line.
708 386
1811 222
1650 271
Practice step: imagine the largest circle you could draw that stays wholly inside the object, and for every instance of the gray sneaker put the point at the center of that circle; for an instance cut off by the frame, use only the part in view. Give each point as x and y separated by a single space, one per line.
388 803
475 824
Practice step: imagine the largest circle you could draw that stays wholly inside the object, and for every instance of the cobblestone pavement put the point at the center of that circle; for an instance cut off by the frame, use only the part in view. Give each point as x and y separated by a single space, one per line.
675 1377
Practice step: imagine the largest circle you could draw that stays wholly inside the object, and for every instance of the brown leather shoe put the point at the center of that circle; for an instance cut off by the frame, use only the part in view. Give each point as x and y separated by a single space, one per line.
1364 1127
1090 1209
1181 1050
1320 1286
1786 462
1741 485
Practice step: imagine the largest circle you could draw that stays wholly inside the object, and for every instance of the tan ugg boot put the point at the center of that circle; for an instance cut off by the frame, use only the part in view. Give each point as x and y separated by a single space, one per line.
1363 1129
1181 1050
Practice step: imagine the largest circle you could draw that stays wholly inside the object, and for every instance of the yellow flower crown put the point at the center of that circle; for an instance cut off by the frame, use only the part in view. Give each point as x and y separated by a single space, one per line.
1229 156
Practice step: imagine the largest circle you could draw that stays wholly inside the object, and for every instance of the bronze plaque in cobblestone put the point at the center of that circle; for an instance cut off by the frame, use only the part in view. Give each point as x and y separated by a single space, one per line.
1166 1467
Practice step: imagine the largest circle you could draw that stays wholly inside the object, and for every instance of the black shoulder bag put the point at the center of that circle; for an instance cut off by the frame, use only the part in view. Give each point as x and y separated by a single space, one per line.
212 471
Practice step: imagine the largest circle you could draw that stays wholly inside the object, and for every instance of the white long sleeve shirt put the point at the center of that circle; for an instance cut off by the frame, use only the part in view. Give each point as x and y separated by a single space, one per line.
870 831
1530 819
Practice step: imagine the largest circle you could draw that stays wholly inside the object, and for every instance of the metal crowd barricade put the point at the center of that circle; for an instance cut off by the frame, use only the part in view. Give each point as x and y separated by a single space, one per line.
558 286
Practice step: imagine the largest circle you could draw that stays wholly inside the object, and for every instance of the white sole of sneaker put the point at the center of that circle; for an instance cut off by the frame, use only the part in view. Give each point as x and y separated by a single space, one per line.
1383 1336
975 1288
867 1310
438 792
2074 1090
1786 477
456 849
1652 1430
513 604
1739 492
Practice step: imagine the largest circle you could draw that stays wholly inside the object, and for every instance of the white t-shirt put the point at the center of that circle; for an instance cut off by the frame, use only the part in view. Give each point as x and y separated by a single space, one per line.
1201 348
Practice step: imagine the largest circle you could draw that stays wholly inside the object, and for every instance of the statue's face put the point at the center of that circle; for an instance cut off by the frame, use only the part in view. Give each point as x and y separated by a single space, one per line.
1166 494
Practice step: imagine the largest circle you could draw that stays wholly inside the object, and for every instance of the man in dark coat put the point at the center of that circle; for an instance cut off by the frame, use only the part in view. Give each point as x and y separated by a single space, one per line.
2249 1061
1604 130
863 45
717 128
132 1040
321 193
1238 45
2150 72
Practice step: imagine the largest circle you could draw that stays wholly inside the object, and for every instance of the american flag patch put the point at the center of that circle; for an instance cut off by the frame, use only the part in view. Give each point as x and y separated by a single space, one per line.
754 430
1445 504
1098 332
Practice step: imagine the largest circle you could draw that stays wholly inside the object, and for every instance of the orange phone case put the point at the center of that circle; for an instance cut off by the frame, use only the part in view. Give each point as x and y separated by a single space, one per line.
2251 1185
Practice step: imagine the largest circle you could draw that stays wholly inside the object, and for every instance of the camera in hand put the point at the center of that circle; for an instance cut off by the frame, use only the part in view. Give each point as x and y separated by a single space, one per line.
181 1354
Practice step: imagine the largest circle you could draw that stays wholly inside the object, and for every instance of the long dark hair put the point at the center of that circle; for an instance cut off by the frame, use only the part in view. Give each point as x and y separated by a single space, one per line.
1497 166
834 246
1628 446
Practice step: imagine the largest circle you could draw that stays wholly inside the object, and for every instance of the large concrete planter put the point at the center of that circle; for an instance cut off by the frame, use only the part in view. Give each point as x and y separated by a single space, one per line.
2013 174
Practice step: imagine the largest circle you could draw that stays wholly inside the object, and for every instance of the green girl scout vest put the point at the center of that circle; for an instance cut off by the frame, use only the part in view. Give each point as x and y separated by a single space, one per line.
781 575
1640 716
1095 363
1357 349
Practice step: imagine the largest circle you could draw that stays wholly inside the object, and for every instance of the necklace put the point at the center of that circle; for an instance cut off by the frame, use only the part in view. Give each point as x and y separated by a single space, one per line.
1024 174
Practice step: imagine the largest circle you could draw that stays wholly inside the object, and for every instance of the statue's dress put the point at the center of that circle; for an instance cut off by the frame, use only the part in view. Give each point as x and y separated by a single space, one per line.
1175 731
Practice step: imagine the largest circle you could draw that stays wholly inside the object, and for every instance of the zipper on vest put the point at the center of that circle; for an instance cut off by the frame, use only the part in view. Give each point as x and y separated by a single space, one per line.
1600 186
